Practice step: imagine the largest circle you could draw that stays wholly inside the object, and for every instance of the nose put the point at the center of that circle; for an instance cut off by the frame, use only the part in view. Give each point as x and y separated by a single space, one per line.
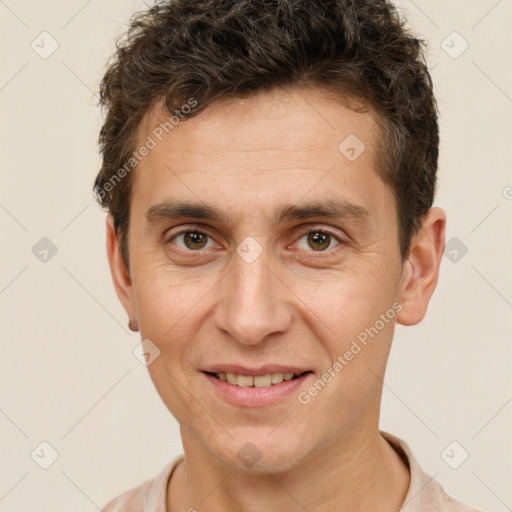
253 302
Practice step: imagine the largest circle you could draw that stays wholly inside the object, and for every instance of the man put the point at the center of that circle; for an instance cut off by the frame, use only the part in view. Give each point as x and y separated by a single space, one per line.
269 171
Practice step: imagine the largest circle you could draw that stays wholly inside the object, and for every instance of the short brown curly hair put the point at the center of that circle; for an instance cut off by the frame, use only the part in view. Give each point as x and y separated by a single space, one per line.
208 49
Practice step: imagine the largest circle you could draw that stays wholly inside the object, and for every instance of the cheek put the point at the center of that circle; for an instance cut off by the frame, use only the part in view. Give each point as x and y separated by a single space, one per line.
171 308
357 314
357 310
170 313
351 299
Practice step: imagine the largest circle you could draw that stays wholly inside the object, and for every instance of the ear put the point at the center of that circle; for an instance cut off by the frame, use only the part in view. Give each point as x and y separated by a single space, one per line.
120 274
421 269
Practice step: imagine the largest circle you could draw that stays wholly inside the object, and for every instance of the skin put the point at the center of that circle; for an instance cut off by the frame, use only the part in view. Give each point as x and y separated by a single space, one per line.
203 304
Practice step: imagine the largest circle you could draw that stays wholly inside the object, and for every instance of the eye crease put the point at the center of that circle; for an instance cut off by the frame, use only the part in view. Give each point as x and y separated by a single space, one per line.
195 240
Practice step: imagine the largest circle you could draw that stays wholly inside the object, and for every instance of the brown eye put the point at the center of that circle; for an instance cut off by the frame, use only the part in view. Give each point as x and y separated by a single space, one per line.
318 241
191 240
195 240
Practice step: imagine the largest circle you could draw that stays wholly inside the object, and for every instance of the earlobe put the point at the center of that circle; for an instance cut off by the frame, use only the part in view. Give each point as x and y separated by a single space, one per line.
421 270
120 274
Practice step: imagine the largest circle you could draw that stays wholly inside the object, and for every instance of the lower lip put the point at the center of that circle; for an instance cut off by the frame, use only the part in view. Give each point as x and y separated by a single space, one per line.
257 397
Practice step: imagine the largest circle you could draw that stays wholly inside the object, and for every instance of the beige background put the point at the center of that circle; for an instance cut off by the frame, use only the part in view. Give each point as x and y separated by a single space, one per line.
68 374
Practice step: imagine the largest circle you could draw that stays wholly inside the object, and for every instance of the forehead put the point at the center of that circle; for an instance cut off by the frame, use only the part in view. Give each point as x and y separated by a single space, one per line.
303 118
268 147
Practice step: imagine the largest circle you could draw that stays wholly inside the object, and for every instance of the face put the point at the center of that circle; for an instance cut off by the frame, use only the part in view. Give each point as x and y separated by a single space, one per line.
259 249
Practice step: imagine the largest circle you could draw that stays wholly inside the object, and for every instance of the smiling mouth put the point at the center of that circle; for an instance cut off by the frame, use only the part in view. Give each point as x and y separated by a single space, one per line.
260 381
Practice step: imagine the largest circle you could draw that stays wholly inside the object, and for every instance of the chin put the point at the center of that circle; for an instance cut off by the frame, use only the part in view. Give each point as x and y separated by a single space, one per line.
259 452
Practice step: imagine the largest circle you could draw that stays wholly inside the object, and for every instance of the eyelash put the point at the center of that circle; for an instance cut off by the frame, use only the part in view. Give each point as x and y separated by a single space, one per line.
327 252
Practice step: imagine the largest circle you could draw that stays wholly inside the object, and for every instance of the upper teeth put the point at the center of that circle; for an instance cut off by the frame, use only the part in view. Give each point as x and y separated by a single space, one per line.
261 381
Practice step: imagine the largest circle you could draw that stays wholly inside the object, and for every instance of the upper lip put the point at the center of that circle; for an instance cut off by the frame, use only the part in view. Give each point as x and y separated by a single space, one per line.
254 371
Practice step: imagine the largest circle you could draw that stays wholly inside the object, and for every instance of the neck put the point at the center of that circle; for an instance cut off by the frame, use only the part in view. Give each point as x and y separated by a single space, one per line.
363 472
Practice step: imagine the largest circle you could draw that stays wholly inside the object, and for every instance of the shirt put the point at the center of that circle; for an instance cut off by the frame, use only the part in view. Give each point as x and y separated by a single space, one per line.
423 495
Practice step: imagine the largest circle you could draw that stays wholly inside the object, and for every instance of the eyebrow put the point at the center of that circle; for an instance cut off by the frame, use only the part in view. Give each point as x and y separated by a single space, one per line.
336 209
